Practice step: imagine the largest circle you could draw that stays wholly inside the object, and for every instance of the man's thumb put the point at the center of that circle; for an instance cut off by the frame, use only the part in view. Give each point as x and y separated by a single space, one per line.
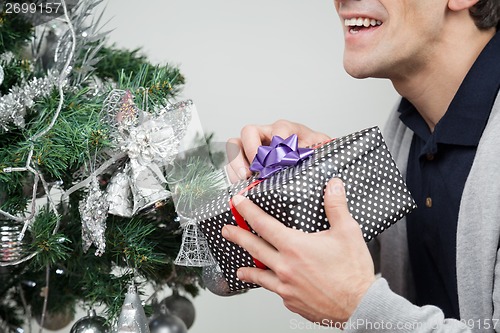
335 202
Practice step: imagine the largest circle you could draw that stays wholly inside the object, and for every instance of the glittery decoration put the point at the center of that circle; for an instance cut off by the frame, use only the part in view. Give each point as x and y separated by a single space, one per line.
120 113
214 280
7 57
132 317
127 111
194 250
93 212
88 40
152 141
14 105
179 115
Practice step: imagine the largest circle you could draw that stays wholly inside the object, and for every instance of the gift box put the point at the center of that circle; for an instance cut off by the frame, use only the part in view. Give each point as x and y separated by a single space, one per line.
376 193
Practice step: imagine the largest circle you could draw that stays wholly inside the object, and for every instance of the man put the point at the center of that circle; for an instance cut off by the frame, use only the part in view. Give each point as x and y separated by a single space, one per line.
439 265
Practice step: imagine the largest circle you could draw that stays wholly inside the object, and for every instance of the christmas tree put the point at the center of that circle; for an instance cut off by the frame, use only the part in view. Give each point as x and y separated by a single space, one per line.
87 134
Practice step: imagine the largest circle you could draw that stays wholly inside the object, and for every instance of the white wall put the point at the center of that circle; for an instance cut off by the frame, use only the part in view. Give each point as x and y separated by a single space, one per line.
253 62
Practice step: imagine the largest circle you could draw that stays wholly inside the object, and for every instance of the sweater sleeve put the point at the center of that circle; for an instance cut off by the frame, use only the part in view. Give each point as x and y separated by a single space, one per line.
382 310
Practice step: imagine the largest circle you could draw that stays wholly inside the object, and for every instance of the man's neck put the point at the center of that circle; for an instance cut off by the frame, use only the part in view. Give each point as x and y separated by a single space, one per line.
432 88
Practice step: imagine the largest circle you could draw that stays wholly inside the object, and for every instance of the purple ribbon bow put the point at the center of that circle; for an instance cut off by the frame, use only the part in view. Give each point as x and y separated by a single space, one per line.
280 154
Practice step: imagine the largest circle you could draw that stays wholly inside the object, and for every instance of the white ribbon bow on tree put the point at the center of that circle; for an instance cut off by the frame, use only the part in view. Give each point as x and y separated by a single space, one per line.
151 142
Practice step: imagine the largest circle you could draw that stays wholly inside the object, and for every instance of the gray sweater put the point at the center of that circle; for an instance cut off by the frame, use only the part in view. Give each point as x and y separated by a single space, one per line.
387 306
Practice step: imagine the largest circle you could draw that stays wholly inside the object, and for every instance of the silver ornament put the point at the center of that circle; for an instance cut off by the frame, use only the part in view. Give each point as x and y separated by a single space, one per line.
120 112
92 323
180 116
145 137
132 317
166 322
152 141
194 251
214 280
181 307
128 328
119 195
11 248
94 212
146 186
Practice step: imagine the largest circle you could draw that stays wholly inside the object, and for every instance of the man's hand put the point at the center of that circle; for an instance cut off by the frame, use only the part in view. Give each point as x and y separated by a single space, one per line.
241 151
321 276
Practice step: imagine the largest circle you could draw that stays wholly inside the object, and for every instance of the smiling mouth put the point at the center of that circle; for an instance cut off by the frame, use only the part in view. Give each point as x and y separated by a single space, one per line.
356 24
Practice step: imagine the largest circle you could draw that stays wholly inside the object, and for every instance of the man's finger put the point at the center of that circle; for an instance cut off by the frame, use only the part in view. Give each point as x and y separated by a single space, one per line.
265 225
306 136
257 247
238 167
337 210
264 278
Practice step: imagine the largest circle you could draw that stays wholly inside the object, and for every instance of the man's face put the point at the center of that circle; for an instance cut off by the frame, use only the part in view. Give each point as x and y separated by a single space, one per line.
390 38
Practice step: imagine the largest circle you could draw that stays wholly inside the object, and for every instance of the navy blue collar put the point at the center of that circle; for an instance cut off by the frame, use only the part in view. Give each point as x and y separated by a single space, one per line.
464 121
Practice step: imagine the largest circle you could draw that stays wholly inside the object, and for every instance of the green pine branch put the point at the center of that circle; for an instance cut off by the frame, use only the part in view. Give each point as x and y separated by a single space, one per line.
51 247
155 85
15 32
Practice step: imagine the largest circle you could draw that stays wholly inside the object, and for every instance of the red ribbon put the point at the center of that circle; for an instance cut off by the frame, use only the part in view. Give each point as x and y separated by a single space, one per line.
241 221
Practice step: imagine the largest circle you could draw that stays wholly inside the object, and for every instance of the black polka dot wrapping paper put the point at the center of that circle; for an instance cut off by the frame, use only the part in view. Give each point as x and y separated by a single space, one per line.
376 193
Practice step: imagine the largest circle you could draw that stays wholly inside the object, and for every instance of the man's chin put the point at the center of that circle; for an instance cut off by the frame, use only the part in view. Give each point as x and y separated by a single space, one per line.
356 70
363 71
357 74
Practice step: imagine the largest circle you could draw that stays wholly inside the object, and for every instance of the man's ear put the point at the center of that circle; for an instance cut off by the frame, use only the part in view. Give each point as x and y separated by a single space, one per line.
458 5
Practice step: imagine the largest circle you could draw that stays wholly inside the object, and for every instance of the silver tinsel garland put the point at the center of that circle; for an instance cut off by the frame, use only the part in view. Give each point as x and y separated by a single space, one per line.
14 105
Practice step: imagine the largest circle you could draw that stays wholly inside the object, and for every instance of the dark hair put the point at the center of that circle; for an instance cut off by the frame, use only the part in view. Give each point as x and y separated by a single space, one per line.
486 14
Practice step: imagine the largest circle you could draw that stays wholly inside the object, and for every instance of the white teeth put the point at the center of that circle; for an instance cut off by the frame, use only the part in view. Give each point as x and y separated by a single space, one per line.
361 22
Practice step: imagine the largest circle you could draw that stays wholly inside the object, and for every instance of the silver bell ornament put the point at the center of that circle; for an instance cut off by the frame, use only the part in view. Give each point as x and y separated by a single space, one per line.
181 307
166 322
147 188
119 195
194 251
92 323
